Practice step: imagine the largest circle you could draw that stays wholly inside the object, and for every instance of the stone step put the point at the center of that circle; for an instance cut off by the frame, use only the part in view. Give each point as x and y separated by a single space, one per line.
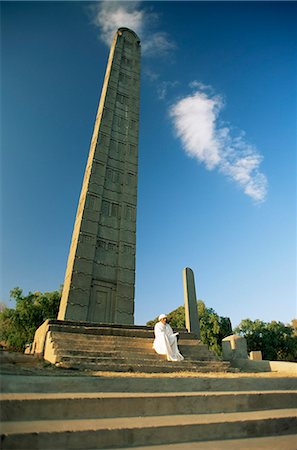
86 328
126 431
67 347
119 354
108 352
112 340
103 344
67 337
50 406
129 368
62 343
138 359
284 442
141 365
97 347
106 339
102 348
101 329
88 346
70 336
78 383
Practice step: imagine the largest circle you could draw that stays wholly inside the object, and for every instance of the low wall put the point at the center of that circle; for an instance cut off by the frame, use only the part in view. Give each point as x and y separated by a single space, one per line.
249 365
235 350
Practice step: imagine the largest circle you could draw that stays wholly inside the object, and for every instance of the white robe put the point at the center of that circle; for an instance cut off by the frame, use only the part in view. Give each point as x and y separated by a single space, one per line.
165 342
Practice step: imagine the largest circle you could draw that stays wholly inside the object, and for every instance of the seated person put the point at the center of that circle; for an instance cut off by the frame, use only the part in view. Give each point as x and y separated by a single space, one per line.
165 342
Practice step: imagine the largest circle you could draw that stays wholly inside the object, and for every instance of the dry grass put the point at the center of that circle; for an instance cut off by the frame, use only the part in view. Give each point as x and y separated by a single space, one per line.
19 364
194 375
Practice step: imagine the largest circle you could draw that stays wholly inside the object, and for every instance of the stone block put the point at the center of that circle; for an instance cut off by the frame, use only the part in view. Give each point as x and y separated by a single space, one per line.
126 276
88 226
82 280
84 265
85 250
256 355
234 347
104 272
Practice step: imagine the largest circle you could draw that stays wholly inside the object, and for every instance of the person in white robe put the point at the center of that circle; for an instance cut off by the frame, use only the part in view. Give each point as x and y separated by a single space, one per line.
165 342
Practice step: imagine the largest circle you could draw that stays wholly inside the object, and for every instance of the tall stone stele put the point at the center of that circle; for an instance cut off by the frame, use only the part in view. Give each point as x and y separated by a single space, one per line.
191 310
100 275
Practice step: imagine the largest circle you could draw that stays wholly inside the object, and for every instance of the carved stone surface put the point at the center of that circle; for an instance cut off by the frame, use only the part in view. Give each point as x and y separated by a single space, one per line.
191 311
234 347
100 275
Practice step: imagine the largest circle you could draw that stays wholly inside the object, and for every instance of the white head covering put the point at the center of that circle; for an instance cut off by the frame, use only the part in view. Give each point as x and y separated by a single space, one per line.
162 316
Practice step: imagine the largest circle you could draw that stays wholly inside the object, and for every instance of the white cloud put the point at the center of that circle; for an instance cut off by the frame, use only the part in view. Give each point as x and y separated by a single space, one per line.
108 16
196 121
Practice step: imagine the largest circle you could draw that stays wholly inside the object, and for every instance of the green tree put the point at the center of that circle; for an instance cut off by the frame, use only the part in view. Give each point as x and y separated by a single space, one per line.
277 341
213 328
18 325
294 326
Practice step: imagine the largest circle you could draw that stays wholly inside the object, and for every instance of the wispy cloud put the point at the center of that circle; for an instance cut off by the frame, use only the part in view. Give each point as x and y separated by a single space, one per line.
201 86
196 118
159 43
108 16
163 87
152 75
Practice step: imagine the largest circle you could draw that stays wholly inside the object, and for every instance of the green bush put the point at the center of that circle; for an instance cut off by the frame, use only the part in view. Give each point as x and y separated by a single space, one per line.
277 341
18 325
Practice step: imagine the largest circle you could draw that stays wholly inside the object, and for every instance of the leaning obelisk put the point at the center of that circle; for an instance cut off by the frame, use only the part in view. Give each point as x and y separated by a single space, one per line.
100 275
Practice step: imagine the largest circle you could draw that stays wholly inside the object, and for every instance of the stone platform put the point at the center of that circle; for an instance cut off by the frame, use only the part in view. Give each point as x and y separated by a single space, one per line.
118 348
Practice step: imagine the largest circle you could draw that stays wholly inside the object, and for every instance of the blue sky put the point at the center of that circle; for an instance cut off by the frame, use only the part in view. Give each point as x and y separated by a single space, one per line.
217 147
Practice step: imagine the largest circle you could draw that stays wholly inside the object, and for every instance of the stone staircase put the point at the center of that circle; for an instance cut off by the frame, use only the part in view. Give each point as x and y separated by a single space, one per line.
118 348
87 413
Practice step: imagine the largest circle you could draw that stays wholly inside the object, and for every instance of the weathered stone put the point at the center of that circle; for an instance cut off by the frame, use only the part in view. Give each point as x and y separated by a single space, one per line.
256 355
191 311
102 252
119 348
139 412
234 347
